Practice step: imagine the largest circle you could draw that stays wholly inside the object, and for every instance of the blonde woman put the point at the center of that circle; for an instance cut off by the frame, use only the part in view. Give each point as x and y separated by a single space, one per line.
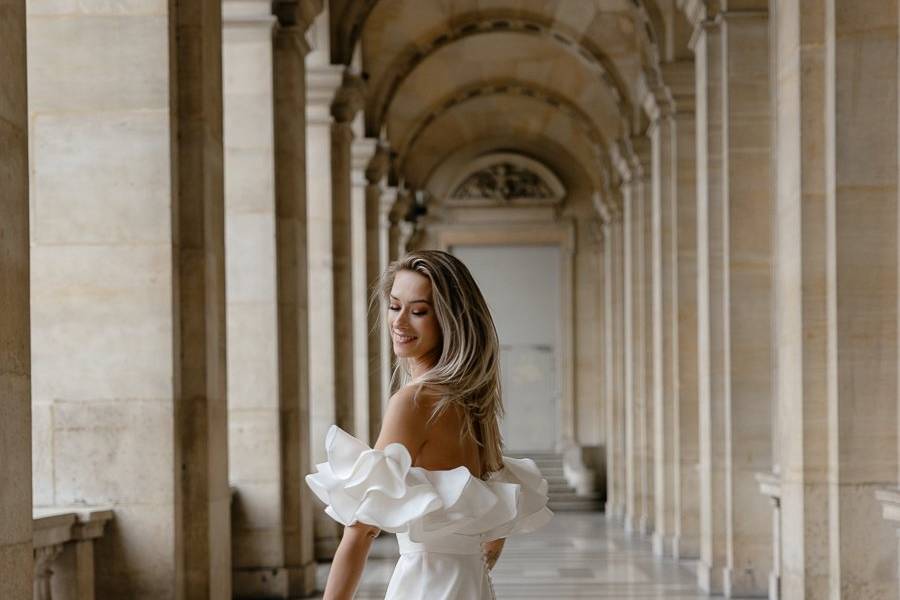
436 477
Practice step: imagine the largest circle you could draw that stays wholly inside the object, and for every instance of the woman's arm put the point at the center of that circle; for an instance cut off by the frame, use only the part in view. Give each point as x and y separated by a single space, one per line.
349 561
404 422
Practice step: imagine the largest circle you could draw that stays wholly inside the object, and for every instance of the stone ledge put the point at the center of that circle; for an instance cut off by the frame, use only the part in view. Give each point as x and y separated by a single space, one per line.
61 524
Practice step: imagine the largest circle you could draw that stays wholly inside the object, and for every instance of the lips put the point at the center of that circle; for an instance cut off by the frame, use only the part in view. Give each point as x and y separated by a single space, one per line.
403 339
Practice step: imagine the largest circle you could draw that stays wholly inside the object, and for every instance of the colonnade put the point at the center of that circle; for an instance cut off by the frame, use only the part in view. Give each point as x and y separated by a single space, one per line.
758 434
194 211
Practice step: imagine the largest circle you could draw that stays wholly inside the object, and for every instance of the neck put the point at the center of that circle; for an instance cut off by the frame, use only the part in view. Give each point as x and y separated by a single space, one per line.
420 365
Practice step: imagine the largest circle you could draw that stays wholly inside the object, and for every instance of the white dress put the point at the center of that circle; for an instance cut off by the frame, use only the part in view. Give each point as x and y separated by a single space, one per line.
441 518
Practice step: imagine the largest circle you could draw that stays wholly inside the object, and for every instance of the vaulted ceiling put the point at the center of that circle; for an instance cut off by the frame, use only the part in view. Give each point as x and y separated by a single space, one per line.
561 80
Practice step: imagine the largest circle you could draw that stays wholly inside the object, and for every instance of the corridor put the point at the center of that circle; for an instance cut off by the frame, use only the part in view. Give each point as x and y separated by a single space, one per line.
579 555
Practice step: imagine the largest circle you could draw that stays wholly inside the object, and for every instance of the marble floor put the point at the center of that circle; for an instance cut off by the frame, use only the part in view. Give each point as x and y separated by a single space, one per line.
578 555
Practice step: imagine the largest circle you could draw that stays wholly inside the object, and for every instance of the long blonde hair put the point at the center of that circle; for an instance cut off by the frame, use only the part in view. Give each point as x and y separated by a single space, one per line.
467 372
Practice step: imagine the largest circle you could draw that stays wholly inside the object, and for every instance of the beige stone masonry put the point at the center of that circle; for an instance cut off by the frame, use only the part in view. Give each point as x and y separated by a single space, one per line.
128 313
289 76
711 308
15 352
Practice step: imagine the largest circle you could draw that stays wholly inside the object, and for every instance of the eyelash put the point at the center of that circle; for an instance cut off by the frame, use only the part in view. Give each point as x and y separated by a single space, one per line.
418 314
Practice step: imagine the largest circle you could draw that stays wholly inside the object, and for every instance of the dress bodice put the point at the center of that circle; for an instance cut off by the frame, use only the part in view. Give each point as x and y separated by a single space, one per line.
427 507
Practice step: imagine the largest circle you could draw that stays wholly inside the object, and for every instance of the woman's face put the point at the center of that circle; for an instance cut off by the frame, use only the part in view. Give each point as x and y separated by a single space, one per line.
414 327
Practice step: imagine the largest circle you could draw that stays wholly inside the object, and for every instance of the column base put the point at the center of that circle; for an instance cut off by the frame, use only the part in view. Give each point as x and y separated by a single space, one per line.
303 579
645 525
662 544
325 548
260 582
744 584
709 579
274 582
630 523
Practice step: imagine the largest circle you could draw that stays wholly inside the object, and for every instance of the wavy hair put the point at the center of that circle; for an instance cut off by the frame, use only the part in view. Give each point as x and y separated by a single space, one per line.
467 372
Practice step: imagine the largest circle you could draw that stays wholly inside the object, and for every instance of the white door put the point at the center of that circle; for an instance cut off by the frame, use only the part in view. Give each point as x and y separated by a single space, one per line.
522 287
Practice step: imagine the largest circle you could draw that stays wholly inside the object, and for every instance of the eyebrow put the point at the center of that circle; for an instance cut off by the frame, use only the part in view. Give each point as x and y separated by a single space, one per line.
393 297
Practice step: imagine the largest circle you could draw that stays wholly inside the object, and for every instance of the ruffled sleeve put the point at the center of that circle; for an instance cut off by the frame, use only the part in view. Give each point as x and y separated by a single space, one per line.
382 488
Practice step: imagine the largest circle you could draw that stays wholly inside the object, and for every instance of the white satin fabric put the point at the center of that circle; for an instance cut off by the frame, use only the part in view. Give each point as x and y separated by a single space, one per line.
441 518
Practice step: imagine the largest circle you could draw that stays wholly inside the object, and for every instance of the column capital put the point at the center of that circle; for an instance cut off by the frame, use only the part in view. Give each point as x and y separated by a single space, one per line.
287 36
349 97
619 153
378 166
641 156
297 13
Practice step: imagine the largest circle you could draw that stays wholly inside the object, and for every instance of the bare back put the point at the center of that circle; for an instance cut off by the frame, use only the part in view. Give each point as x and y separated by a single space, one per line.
445 448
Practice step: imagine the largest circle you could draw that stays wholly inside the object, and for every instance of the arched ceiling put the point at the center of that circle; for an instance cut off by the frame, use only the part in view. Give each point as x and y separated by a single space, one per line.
444 74
516 123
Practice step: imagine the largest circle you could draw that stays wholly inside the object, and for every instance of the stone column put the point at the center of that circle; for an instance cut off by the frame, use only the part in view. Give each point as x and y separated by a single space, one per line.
375 172
746 152
686 527
643 169
347 102
322 82
128 288
387 252
290 49
262 307
711 306
202 517
612 283
619 274
15 354
836 294
362 151
664 312
633 211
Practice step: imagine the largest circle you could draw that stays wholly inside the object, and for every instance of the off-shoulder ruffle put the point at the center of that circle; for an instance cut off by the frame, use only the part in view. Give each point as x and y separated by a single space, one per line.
382 488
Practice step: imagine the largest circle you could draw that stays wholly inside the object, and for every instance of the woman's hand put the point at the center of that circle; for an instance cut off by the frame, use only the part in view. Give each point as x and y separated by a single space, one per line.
491 551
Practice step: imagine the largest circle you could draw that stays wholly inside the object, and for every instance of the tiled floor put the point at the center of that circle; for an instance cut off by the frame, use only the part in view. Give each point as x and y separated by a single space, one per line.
577 555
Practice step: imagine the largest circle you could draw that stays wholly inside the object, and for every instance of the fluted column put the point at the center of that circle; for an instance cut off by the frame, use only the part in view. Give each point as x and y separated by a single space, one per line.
711 322
15 324
836 291
387 253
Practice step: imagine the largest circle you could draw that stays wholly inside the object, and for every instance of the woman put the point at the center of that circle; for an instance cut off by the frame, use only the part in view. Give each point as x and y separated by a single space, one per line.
436 476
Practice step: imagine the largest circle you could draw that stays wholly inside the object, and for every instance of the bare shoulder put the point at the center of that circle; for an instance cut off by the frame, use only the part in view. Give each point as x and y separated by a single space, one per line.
405 419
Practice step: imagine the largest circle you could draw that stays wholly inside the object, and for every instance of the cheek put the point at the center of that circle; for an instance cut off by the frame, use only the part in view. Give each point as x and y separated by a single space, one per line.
434 332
